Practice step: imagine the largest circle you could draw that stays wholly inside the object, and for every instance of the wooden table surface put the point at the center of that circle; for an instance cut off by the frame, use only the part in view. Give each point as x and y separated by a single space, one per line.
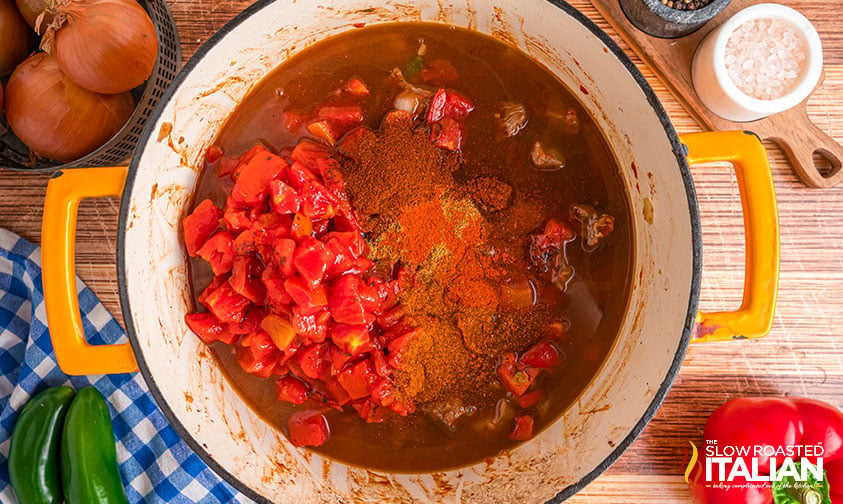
803 355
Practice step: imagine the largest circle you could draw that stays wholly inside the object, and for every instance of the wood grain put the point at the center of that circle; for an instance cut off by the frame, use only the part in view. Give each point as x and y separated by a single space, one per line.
814 155
803 355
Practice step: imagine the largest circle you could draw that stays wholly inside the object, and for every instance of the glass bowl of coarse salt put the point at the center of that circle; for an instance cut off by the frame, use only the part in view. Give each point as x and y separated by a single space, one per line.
765 59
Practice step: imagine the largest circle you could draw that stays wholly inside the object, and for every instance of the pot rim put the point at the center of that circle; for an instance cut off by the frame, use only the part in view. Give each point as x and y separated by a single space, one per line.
679 151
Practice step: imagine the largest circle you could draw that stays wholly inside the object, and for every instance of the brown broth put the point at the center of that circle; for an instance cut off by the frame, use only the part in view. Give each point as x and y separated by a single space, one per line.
490 73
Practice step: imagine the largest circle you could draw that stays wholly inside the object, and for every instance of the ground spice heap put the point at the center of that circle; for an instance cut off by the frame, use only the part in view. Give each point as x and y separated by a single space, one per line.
418 216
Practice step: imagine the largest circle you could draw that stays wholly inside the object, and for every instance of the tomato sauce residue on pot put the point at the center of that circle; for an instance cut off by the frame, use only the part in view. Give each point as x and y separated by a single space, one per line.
411 248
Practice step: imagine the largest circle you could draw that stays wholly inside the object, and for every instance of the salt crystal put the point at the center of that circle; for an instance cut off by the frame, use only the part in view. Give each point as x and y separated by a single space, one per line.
764 58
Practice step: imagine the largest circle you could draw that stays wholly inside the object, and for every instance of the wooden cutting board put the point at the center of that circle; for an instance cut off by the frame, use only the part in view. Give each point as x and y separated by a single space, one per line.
814 155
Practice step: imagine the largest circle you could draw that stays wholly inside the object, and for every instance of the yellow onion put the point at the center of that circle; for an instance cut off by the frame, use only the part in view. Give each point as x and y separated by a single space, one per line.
107 46
56 118
31 9
15 37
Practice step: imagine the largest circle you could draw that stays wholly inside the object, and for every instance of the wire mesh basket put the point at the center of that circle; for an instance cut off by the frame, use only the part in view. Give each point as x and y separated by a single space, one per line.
14 155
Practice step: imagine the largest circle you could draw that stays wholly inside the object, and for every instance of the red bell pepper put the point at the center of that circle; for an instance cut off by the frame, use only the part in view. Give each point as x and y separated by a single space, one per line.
770 434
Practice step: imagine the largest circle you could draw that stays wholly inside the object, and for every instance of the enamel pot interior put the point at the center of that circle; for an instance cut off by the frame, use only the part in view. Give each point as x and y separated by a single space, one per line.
256 458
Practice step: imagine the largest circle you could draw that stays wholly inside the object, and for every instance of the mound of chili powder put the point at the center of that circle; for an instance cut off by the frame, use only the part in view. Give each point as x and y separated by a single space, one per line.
418 216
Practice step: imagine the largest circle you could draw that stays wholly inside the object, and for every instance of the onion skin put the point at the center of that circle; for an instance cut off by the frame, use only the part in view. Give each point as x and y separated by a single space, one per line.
31 9
106 46
15 37
56 118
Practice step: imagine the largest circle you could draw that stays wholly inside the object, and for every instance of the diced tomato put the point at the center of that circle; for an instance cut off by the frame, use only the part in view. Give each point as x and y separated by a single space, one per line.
252 185
402 406
235 219
516 380
314 360
371 412
299 174
313 327
351 239
343 258
345 303
558 232
200 225
214 285
317 201
382 367
542 355
308 299
227 165
391 317
339 360
293 120
356 88
383 392
448 104
368 295
322 129
523 428
276 295
447 134
283 251
283 198
530 399
302 226
219 252
341 118
352 339
339 395
279 329
308 428
291 389
308 151
397 347
246 278
259 344
262 368
358 379
208 328
226 304
311 260
213 154
250 323
439 71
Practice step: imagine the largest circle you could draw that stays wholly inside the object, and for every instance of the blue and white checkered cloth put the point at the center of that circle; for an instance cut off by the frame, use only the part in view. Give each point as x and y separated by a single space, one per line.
156 465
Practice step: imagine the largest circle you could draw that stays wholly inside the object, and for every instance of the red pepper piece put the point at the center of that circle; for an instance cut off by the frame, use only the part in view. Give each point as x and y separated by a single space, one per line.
213 154
448 104
543 355
302 227
291 389
227 305
312 259
246 278
308 428
279 329
208 328
358 379
200 225
439 71
250 323
317 201
219 252
313 360
308 299
341 118
299 174
345 303
530 399
447 134
523 428
516 380
351 339
252 185
355 87
313 326
283 198
307 152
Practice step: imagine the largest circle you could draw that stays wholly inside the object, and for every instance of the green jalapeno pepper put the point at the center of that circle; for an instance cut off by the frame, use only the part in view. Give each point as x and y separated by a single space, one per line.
34 453
90 474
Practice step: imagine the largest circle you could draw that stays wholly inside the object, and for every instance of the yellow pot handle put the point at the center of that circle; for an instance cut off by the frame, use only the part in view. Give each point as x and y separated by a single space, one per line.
58 247
745 151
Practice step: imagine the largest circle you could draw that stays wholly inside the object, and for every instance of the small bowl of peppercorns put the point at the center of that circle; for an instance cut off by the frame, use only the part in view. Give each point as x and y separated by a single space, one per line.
671 18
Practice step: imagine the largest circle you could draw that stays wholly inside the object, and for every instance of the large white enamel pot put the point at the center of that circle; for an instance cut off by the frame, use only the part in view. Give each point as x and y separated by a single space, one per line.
612 410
